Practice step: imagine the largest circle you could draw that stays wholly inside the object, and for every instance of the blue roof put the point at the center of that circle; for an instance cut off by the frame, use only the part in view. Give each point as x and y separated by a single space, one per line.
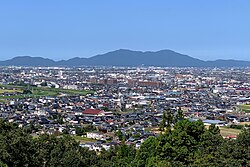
213 121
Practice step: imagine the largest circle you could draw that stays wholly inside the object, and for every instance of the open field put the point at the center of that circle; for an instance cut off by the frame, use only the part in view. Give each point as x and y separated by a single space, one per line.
244 123
38 92
65 91
2 101
224 131
9 91
245 108
83 139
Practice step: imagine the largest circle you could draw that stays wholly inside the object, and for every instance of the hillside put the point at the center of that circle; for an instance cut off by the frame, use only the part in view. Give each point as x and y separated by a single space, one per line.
123 57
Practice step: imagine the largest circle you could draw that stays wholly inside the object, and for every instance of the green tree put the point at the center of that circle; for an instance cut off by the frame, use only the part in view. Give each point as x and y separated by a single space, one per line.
80 131
163 122
169 120
27 91
215 130
120 135
3 164
179 115
125 155
146 151
242 147
16 146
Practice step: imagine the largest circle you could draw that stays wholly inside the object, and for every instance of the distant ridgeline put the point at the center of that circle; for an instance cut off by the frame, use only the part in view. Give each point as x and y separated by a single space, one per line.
122 57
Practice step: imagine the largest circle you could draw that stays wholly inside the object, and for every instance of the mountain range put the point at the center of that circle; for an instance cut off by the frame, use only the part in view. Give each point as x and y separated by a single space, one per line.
124 57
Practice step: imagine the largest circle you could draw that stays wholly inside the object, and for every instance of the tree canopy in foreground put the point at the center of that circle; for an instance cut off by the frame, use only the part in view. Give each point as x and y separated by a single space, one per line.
188 144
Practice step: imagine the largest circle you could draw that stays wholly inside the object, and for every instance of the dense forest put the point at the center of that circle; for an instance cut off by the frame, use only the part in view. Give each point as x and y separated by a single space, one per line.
186 144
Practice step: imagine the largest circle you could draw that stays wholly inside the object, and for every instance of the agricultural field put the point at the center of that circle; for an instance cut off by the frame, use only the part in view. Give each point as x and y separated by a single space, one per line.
245 108
224 131
83 139
9 91
37 92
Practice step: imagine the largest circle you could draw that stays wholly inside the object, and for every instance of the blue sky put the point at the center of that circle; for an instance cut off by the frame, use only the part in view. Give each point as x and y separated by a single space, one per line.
62 29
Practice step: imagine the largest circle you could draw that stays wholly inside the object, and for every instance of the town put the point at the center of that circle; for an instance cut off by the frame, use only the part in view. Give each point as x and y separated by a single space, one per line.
102 106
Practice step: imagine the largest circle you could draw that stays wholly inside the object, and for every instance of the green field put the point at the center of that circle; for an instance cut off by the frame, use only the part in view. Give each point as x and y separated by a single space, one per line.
224 131
37 92
9 91
77 138
83 139
245 108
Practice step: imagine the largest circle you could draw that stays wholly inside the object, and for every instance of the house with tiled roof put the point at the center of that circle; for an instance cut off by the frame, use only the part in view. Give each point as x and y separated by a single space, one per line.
93 112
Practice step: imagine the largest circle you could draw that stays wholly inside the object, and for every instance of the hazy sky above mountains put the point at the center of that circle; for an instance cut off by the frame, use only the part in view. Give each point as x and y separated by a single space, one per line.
63 29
